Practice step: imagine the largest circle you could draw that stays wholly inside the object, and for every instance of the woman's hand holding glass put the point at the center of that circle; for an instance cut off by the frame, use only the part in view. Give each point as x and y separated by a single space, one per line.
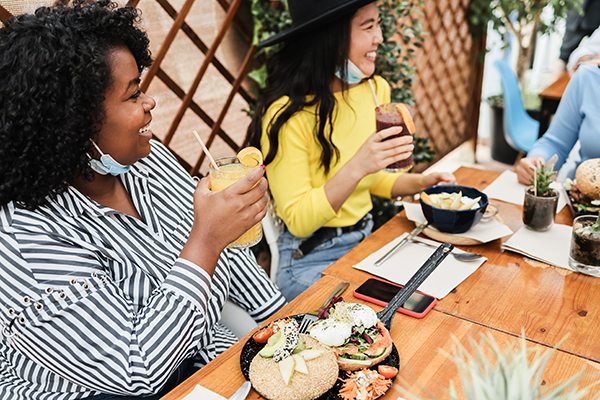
377 152
223 216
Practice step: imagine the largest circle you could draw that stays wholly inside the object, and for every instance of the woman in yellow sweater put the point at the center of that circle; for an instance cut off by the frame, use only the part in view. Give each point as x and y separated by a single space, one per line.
316 128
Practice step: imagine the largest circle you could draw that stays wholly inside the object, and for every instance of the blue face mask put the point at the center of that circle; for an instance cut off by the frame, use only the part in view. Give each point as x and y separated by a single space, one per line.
355 75
107 164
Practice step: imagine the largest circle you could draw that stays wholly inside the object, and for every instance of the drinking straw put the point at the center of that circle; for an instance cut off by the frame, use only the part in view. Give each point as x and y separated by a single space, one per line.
373 91
212 160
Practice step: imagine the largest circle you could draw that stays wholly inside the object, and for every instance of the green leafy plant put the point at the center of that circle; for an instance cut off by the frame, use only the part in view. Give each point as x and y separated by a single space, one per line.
542 179
489 373
521 18
403 35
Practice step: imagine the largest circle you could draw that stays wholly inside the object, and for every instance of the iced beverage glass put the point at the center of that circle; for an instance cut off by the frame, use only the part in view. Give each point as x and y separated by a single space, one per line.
230 171
387 115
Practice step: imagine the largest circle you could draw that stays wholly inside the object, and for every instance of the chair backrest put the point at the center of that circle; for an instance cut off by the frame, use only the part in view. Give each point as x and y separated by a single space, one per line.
520 130
271 231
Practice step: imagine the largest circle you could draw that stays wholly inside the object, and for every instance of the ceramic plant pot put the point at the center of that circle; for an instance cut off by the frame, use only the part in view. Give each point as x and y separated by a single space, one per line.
584 255
539 211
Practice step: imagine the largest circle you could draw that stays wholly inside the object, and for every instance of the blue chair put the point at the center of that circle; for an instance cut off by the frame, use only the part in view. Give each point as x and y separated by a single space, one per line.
520 130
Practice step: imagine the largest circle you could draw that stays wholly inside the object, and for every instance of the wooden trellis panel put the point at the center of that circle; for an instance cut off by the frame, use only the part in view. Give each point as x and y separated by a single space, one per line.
449 78
187 70
198 78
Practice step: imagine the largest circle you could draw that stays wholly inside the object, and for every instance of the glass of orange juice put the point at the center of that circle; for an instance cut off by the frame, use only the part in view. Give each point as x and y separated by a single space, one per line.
230 171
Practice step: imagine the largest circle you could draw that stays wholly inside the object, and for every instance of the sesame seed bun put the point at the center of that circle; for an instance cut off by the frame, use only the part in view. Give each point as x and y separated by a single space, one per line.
322 374
588 178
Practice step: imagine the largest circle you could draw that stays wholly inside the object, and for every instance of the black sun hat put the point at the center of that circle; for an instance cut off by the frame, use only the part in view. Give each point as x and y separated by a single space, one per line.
311 14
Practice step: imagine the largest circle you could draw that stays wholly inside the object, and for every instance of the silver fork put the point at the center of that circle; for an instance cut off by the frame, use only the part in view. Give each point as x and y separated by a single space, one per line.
312 316
460 256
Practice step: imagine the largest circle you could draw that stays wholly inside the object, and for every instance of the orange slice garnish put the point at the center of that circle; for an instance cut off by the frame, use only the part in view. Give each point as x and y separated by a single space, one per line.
410 124
247 154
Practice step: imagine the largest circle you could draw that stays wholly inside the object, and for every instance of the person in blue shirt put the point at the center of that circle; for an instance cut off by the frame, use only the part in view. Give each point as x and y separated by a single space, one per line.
577 119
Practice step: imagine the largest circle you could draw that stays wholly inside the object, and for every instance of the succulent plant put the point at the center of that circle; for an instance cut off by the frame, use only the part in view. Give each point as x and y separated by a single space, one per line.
489 373
541 181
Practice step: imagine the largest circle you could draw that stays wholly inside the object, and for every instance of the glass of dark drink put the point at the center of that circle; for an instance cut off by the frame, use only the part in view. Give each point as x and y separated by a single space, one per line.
387 115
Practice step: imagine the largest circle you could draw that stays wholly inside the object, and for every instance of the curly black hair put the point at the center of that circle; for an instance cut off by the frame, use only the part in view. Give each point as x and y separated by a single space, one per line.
54 73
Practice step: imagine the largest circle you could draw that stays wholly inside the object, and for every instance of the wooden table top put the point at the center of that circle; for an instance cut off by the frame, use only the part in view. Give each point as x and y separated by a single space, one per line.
418 342
557 88
509 292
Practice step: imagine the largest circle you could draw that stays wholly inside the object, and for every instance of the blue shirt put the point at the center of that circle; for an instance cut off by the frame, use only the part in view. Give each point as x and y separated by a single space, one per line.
577 118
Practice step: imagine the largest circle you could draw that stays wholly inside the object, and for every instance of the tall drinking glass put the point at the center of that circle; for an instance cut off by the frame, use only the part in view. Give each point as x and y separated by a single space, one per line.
230 171
387 115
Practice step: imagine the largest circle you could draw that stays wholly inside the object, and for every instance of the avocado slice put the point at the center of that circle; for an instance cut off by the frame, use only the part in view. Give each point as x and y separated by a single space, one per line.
300 346
273 339
269 350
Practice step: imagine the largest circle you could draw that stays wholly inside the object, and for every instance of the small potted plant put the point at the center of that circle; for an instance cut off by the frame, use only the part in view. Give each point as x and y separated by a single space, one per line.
584 255
539 207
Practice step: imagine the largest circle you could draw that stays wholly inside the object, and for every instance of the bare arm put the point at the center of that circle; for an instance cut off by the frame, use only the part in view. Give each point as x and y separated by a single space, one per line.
409 184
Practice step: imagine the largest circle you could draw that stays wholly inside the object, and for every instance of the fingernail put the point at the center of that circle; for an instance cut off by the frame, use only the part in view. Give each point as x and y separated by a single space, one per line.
263 166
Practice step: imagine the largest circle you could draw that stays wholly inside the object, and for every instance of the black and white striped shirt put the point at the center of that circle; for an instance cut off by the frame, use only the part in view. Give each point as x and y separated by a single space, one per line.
95 301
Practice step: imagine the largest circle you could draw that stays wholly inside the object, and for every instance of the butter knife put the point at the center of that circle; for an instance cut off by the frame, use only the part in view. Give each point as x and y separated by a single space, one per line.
242 392
407 239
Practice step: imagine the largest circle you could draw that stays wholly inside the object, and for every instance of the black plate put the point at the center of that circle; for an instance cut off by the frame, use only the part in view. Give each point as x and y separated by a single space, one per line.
573 208
251 349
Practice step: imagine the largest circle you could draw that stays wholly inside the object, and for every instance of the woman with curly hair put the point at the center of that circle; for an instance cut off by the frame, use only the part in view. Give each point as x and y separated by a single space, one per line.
113 262
316 126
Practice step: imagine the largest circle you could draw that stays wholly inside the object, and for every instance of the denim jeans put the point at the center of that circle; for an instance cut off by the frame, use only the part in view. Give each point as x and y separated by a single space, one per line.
295 276
185 370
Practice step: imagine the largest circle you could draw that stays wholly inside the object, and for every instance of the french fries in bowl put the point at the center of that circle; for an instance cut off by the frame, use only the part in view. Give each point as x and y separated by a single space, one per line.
453 208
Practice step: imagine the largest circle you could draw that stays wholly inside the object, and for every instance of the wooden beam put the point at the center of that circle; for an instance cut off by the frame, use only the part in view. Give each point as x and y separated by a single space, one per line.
4 14
179 92
204 49
207 60
185 9
237 83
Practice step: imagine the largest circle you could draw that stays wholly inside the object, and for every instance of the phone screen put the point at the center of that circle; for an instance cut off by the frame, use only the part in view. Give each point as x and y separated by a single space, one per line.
385 292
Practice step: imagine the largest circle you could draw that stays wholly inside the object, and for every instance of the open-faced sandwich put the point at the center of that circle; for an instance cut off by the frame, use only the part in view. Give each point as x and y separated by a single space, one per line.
291 366
354 332
584 191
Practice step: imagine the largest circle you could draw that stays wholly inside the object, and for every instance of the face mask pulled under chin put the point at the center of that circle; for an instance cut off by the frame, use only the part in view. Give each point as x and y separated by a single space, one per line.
354 74
107 164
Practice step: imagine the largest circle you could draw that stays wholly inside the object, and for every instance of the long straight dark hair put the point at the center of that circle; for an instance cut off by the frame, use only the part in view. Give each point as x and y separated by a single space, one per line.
304 70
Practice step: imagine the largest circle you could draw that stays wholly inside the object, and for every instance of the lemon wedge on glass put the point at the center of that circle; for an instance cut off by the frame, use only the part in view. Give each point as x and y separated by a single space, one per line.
247 155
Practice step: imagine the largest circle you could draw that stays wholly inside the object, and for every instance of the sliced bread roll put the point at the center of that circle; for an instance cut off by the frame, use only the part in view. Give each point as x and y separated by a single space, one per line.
322 374
588 178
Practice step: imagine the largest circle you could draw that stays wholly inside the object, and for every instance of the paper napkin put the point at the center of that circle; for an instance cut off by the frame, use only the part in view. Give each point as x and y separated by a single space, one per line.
202 393
403 264
507 188
484 231
551 247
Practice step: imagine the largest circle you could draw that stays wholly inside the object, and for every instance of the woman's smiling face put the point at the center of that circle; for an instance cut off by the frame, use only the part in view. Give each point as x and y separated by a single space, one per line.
125 133
365 36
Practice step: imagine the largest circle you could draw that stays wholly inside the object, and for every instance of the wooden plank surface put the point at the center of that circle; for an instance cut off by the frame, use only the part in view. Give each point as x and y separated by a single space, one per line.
418 342
509 292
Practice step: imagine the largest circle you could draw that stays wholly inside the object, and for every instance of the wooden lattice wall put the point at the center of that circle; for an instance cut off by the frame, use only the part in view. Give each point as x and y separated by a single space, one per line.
449 77
202 54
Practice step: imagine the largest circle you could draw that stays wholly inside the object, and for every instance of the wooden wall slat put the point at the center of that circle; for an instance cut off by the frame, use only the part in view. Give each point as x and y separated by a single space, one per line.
204 48
207 60
166 44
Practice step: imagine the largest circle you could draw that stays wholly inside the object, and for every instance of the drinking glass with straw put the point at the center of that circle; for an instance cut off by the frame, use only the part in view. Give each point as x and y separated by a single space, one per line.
225 171
394 114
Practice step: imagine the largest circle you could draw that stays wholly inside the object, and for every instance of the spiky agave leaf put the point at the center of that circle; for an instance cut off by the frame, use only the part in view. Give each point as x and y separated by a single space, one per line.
487 372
